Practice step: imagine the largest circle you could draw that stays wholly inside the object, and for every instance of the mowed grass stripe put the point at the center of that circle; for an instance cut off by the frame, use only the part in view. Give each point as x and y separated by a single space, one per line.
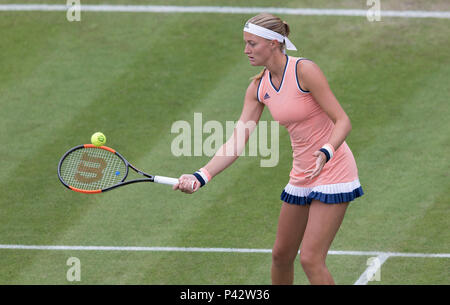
55 210
404 171
193 237
45 209
152 214
138 221
66 81
386 100
38 169
363 107
229 209
388 105
427 169
162 211
124 200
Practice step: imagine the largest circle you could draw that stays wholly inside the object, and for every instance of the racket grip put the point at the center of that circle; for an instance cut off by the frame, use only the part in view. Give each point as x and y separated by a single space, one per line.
165 180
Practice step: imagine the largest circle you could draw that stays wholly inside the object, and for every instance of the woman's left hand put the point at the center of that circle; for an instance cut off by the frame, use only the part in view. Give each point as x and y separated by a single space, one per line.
320 162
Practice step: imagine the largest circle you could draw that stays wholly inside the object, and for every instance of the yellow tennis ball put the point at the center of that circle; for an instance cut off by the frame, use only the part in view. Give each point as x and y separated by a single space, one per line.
98 139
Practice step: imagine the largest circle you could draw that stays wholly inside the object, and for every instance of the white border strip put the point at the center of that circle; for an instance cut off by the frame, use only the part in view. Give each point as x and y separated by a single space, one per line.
224 10
193 249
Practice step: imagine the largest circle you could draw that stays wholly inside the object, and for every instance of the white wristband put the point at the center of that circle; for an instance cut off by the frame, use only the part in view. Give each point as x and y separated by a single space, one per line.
205 178
202 176
329 149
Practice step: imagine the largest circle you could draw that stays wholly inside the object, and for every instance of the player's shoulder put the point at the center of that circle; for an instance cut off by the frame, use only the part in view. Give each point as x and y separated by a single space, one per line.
305 65
308 72
253 85
252 89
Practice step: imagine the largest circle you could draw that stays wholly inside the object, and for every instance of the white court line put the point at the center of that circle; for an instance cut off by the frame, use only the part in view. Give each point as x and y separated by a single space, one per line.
371 270
224 9
194 249
382 256
362 280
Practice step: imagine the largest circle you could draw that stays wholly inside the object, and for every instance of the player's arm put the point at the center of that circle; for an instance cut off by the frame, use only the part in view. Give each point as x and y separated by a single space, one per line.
230 151
312 79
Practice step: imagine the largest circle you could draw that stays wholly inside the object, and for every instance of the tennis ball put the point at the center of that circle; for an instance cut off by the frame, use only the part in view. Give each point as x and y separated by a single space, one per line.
98 139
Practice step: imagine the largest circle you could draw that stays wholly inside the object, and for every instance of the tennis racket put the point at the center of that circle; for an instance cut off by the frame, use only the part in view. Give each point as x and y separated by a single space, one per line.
94 169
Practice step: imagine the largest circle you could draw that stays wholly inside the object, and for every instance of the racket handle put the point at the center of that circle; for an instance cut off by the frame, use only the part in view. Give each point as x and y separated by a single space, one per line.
165 180
170 181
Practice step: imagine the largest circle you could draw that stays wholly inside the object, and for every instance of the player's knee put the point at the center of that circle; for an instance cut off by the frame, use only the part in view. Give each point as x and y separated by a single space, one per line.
283 256
311 260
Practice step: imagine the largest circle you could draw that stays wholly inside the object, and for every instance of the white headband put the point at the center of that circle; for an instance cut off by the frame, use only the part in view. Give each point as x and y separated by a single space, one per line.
268 34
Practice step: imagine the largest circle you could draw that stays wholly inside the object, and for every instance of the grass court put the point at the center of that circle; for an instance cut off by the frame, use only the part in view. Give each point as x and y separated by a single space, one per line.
132 75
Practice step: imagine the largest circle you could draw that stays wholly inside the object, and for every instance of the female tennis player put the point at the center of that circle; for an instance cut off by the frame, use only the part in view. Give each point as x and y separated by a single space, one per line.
324 176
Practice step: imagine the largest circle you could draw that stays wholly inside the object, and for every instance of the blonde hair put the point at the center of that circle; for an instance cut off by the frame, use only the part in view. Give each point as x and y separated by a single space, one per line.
273 23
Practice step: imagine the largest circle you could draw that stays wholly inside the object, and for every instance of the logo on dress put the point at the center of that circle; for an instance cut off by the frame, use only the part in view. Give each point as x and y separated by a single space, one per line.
266 96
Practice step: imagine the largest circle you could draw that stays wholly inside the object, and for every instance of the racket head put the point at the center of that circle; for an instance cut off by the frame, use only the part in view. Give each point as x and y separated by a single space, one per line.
92 169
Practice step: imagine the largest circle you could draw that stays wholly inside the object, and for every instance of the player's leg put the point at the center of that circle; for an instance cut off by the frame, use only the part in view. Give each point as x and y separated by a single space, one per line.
324 221
291 225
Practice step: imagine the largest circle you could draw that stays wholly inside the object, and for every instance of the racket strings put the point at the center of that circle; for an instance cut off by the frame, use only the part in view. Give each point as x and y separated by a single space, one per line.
92 169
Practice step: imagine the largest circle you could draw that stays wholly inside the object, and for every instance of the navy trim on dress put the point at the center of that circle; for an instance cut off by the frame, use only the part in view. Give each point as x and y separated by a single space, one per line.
296 75
325 198
282 79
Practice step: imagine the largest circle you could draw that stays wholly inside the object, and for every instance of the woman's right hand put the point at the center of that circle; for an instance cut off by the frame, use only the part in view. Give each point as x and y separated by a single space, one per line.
187 184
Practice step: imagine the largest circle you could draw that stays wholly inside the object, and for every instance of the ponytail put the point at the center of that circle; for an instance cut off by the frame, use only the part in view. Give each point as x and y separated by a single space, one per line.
258 76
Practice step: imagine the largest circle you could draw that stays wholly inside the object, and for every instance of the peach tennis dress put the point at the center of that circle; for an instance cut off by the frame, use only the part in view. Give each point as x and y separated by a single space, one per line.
309 128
